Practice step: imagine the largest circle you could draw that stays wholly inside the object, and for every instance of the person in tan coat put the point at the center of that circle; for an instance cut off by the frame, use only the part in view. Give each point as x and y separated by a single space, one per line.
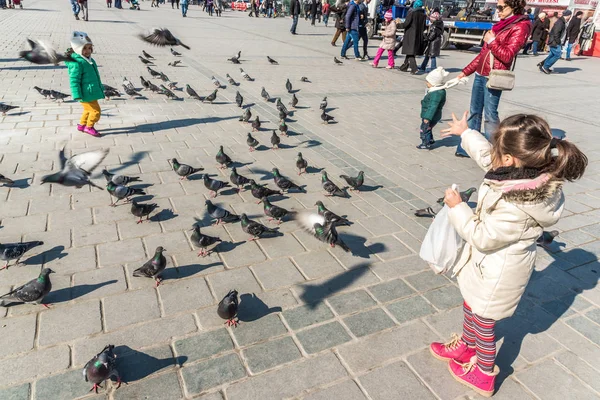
388 42
521 195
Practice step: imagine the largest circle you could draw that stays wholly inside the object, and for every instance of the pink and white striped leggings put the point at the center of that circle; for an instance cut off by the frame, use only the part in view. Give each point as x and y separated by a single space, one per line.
478 332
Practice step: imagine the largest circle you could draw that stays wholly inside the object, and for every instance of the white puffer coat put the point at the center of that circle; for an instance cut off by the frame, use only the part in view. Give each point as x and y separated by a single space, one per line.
499 255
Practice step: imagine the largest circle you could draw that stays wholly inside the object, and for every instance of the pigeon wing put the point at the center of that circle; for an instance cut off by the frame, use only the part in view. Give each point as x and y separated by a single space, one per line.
87 161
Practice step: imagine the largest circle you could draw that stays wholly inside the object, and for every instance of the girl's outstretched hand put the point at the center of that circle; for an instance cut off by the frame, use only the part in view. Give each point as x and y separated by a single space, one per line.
452 197
457 127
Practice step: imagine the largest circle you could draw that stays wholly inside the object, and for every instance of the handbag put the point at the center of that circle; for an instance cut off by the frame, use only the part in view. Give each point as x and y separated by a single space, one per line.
501 79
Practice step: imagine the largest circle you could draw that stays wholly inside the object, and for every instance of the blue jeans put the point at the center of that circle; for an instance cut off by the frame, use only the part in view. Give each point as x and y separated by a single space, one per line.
325 19
553 57
569 48
353 35
484 102
184 8
294 23
270 12
535 48
426 60
75 7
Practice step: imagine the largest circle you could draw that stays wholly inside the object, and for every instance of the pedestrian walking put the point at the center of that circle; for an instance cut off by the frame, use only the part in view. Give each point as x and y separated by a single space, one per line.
554 42
184 7
363 12
85 11
154 3
108 3
537 33
75 8
313 11
520 196
412 42
388 42
218 5
351 24
326 10
84 78
586 36
340 8
434 41
294 14
118 4
210 7
573 33
173 3
270 8
306 6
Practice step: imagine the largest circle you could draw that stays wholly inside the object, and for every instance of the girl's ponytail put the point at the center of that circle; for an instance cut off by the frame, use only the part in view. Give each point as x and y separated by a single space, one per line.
568 162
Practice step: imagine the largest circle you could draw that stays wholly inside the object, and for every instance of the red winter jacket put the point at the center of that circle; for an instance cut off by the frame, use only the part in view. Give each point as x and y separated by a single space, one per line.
505 48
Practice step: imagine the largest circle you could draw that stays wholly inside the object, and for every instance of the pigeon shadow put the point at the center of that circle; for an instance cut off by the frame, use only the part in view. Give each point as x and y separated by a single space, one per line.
18 113
248 105
282 146
164 215
134 365
225 247
269 235
138 199
252 308
328 109
228 192
367 188
141 185
34 67
294 92
313 170
238 164
55 253
185 271
357 245
312 295
22 183
331 123
301 107
218 103
262 147
135 158
71 293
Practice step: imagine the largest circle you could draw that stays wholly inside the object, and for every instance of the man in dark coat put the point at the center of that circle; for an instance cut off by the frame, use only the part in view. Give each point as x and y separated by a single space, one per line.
313 11
351 22
573 33
554 42
413 43
294 13
537 33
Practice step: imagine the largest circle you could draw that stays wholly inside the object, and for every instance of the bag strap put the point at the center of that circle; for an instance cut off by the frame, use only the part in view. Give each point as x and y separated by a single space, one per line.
492 61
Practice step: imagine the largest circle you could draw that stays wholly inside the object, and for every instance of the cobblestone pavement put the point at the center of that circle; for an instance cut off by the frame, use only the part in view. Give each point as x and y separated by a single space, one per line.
316 323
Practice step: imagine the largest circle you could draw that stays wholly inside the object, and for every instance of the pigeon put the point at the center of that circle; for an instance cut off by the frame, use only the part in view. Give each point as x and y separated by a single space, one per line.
142 210
354 183
154 267
172 85
253 228
191 92
14 251
465 195
145 83
234 60
4 108
330 216
228 308
259 191
168 93
8 181
280 106
203 241
102 367
184 170
239 99
111 92
237 179
271 61
128 84
216 82
547 238
288 86
323 105
304 79
130 92
213 185
430 212
162 37
56 95
163 77
175 53
239 54
336 61
331 188
323 230
222 158
41 53
264 94
272 211
275 140
231 80
246 115
153 72
33 292
326 118
251 142
174 63
154 88
283 128
211 97
220 214
76 170
245 75
294 101
147 62
119 179
121 192
301 164
282 115
284 183
43 92
256 124
148 56
425 212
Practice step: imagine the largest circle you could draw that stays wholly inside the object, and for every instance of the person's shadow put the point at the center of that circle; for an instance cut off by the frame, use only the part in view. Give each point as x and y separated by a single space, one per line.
549 294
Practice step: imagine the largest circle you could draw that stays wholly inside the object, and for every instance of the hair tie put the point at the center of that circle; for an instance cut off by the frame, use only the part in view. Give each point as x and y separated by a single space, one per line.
553 149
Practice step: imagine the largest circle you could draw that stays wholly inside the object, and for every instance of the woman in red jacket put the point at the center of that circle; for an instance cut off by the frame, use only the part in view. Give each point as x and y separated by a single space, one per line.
503 43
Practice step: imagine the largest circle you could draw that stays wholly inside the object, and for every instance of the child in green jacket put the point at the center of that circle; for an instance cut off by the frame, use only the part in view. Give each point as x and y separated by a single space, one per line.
432 105
86 86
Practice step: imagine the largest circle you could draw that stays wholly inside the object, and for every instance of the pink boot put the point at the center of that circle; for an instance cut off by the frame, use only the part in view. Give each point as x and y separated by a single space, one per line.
91 131
455 349
80 127
472 376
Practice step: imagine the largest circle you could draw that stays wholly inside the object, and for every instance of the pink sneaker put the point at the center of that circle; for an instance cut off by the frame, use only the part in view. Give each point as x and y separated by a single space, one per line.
472 376
80 127
91 131
455 349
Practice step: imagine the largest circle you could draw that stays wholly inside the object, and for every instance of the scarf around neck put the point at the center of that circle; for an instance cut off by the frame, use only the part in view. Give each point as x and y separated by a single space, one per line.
512 173
503 23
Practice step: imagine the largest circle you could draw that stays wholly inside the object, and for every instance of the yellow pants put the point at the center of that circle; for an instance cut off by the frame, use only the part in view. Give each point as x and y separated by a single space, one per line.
91 113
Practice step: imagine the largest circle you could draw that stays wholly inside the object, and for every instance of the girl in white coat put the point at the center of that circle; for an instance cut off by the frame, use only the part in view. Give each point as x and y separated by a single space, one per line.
520 195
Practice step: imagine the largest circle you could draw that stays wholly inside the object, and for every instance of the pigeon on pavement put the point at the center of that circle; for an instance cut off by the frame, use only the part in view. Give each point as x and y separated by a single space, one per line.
237 179
222 158
128 84
251 142
203 241
354 183
301 164
56 95
184 170
152 72
304 79
130 92
154 267
76 170
145 83
273 62
264 94
259 191
280 106
228 308
33 292
148 56
326 117
216 82
142 210
14 251
213 185
220 214
191 92
256 124
7 181
330 216
331 188
273 212
162 37
211 97
102 367
4 108
323 105
336 61
275 140
119 179
245 75
246 115
168 93
143 60
174 63
43 92
546 238
121 192
283 128
288 86
284 183
231 81
294 101
239 99
255 229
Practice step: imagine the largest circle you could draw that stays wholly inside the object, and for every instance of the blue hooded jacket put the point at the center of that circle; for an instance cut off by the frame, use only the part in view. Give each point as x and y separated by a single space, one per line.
352 17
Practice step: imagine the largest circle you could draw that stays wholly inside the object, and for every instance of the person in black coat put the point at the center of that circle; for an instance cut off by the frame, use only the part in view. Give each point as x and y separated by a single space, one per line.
555 41
573 33
340 8
538 32
313 11
295 8
413 43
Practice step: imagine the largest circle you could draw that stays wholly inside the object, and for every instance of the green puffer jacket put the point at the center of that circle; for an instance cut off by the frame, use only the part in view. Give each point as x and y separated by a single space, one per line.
84 78
432 105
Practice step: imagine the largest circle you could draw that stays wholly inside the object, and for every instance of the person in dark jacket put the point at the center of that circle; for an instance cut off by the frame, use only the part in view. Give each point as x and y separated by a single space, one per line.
313 11
294 13
351 22
340 8
554 42
413 43
537 33
573 33
362 26
434 41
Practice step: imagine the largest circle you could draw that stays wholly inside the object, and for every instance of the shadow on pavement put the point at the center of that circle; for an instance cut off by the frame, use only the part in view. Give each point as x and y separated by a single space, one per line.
134 365
159 126
314 294
55 253
71 293
252 308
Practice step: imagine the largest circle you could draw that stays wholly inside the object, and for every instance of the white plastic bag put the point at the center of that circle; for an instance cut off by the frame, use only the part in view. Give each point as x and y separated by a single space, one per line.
442 244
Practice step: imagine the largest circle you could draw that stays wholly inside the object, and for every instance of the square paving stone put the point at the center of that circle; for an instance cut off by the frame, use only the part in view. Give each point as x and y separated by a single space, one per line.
213 372
445 297
391 290
18 392
409 309
165 386
242 255
121 252
580 369
134 365
277 273
63 324
351 302
284 246
387 247
346 390
586 328
130 308
309 314
270 354
17 334
35 363
323 337
368 322
317 264
249 332
240 279
63 386
380 225
185 294
204 345
435 373
394 382
594 315
99 282
401 267
427 280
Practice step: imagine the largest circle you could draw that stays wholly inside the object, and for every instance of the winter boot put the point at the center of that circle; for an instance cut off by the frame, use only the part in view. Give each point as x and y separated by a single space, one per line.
472 376
455 349
90 130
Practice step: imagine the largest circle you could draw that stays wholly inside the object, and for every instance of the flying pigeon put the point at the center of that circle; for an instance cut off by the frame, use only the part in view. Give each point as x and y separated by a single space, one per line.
283 128
191 92
294 101
130 92
246 115
213 185
203 241
288 86
326 118
275 140
42 53
245 75
8 181
272 211
147 62
231 80
284 183
220 214
142 210
43 92
331 188
251 142
4 108
102 367
253 228
239 99
323 230
354 183
211 97
154 267
546 238
234 60
121 192
323 105
330 216
216 82
184 170
259 191
14 251
264 94
76 170
228 308
119 179
271 61
256 124
174 63
237 179
301 164
336 61
148 56
304 79
162 37
223 159
33 292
